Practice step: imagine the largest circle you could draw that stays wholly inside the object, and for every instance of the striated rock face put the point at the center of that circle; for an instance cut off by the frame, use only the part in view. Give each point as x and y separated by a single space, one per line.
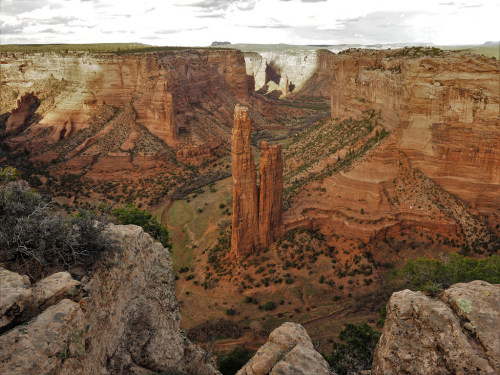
150 82
442 108
128 322
19 117
257 220
270 194
288 351
456 333
245 233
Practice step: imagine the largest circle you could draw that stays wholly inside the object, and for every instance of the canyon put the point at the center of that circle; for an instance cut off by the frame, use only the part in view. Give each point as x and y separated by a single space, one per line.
364 159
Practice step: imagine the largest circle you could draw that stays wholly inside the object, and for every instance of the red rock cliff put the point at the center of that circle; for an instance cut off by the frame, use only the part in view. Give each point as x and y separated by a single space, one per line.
194 77
270 194
245 235
443 108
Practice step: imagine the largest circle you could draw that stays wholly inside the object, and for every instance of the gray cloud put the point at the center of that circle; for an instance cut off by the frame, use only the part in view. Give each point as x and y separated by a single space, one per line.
49 30
313 1
215 5
390 27
270 26
14 7
11 29
175 31
213 15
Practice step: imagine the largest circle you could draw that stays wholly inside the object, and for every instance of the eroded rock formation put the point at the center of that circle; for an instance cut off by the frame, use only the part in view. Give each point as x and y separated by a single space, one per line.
124 319
256 211
19 117
270 193
288 351
456 333
245 234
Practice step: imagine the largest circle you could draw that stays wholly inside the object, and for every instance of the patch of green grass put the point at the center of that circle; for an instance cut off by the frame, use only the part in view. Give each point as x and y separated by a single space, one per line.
179 214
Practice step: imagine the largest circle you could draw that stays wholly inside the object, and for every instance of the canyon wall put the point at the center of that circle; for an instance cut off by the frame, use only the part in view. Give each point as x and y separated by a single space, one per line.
257 220
424 126
161 87
288 70
443 107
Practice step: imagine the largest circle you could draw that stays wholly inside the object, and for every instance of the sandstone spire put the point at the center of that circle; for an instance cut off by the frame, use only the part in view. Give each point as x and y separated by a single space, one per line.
271 189
245 235
257 218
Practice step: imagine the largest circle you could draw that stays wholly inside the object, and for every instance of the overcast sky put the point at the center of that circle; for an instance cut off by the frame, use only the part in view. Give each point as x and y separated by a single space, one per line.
199 22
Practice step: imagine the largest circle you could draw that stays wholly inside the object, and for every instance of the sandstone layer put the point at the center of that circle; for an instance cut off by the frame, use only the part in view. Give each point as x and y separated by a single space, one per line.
412 145
125 320
289 350
443 108
456 333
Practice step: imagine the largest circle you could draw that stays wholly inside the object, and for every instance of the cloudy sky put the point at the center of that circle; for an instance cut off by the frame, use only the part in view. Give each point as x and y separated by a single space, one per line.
199 22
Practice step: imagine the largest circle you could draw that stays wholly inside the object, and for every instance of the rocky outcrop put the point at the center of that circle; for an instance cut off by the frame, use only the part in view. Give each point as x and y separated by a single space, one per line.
257 220
127 321
19 117
289 350
245 232
270 194
456 333
21 301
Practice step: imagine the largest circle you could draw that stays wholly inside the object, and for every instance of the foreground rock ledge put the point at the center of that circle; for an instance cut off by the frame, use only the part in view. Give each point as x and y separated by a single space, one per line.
288 351
457 333
127 324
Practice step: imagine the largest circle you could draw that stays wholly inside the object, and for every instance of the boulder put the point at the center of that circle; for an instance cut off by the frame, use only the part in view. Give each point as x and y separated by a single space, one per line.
457 333
20 301
15 297
288 351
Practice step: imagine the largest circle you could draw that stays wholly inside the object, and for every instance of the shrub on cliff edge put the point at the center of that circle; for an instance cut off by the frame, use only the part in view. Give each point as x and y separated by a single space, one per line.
36 238
133 215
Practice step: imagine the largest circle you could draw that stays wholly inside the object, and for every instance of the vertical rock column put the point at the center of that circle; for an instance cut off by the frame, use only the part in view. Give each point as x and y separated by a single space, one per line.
245 235
271 190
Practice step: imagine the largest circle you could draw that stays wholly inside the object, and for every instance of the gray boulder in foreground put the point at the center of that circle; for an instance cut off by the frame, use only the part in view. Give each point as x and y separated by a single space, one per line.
457 333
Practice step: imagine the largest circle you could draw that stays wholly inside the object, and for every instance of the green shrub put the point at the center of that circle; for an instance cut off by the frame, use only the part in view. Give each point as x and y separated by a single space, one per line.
230 312
268 306
230 363
133 215
37 237
354 352
434 275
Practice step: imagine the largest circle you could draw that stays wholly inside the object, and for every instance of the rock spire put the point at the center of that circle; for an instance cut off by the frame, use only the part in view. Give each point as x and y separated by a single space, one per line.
257 218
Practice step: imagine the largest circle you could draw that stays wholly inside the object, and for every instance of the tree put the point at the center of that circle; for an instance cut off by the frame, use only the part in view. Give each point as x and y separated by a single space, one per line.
230 363
130 214
354 352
